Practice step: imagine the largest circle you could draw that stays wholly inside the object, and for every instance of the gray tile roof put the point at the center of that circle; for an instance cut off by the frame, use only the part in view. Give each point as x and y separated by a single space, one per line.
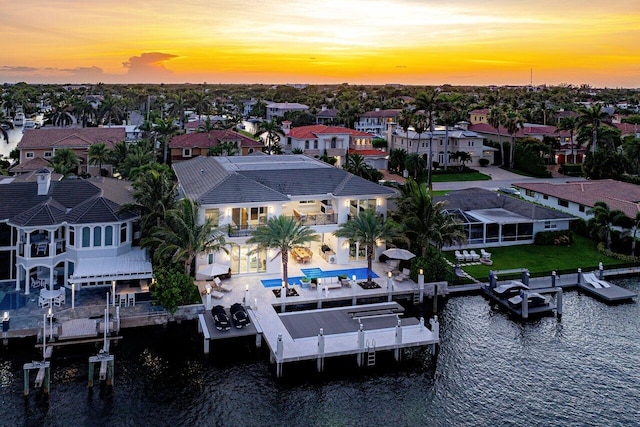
223 180
71 200
473 199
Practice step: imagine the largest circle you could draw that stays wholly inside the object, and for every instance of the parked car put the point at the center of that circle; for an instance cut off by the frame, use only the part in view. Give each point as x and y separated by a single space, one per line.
239 316
509 190
220 318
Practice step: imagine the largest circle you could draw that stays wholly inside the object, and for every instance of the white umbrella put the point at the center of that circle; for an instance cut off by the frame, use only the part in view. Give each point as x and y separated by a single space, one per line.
212 270
397 253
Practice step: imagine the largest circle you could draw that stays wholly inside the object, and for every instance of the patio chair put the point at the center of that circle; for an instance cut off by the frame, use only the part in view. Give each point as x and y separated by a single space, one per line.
459 256
392 264
474 256
35 283
62 298
404 275
43 302
467 255
485 254
131 299
41 249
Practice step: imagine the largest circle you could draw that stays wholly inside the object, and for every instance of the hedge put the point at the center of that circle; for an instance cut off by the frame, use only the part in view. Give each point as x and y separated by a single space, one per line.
553 238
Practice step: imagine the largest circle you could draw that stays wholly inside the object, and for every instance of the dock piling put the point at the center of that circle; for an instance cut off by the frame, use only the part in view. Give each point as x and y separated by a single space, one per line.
283 297
354 298
360 355
435 298
559 303
435 330
389 288
600 271
421 285
397 352
579 276
525 304
321 350
279 356
553 279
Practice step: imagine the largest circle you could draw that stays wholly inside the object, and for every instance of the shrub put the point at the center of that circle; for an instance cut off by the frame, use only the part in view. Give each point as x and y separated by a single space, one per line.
571 169
627 258
553 238
484 162
580 227
174 288
434 266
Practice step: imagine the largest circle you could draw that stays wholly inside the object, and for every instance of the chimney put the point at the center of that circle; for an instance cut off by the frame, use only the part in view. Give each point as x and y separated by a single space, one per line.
324 107
286 127
44 180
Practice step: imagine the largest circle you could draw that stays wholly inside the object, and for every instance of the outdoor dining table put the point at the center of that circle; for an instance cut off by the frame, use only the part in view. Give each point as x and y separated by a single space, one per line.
50 294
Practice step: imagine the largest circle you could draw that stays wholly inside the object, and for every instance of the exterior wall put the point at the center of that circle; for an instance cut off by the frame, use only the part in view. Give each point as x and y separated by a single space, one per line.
82 154
473 146
572 208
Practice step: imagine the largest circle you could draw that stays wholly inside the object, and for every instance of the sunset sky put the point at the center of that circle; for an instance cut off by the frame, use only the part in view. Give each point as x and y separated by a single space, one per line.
460 42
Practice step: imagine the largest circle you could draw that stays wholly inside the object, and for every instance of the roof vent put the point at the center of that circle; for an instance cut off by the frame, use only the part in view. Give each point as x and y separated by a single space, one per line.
202 171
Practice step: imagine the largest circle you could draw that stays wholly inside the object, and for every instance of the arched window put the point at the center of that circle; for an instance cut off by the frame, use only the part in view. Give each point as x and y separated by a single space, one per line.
108 235
86 237
97 236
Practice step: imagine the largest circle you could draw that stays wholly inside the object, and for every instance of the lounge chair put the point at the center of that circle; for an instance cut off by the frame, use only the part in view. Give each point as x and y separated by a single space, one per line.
392 264
459 256
474 256
404 275
222 286
467 255
485 254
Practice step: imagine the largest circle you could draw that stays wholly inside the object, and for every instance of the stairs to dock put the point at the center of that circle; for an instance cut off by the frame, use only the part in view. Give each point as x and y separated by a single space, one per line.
371 353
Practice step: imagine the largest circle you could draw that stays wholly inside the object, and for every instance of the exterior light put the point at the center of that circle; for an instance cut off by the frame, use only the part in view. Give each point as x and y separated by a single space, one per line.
421 272
389 274
6 315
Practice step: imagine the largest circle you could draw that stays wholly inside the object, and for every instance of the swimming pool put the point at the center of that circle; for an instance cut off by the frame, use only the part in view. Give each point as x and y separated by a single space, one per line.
12 301
360 273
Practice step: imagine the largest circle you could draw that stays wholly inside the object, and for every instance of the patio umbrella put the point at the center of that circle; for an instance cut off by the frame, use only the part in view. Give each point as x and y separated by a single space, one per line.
397 253
212 270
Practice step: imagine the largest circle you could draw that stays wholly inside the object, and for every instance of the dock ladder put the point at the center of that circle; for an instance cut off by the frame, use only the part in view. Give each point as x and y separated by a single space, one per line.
416 298
371 353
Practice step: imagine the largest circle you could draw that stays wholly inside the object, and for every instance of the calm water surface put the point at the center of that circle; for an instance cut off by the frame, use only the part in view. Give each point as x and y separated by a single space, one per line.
491 371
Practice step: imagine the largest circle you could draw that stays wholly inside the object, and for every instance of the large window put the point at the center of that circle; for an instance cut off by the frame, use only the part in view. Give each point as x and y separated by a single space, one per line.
213 215
108 235
97 236
86 237
123 233
72 236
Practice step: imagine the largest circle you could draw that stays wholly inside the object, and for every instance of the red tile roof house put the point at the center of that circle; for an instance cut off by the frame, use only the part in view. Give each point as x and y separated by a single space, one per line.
314 140
41 144
578 198
190 145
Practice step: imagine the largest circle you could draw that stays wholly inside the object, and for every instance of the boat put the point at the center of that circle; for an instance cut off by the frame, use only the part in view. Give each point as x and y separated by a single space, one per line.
534 300
510 289
18 120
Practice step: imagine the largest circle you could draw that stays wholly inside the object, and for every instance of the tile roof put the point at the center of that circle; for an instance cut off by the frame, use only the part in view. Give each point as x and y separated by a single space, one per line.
617 195
70 200
30 165
211 139
527 130
329 112
480 111
473 199
312 131
224 180
70 137
627 128
381 113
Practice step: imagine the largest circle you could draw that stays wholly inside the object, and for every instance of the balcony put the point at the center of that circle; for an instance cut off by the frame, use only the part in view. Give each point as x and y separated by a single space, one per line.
241 230
316 218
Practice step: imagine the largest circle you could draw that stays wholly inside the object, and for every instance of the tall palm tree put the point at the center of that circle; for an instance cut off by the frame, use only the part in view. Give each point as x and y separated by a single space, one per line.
594 117
139 157
177 106
396 159
357 165
119 153
4 122
65 161
419 126
604 220
201 101
110 111
428 102
368 228
569 124
513 122
83 110
282 233
495 119
181 237
271 127
405 120
165 129
448 107
413 162
224 149
99 153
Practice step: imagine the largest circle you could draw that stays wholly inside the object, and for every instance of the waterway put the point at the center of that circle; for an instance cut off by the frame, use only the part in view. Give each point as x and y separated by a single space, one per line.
491 371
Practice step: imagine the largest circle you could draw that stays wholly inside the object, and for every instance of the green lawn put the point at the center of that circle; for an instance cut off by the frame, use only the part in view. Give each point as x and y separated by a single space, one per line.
542 260
439 192
456 177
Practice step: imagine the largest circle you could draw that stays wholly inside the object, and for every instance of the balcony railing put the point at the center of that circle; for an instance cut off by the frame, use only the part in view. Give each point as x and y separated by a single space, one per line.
240 230
317 218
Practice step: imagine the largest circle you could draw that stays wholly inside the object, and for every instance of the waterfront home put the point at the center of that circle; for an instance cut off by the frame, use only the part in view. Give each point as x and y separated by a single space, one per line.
186 146
578 198
64 231
493 219
239 193
327 116
458 139
42 143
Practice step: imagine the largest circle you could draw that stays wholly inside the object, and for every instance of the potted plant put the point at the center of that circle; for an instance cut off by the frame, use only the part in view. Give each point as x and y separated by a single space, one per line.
304 282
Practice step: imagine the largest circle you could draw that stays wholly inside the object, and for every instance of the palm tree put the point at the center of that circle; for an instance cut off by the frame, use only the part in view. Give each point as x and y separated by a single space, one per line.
396 159
282 233
224 149
427 101
419 125
604 220
512 122
99 153
270 127
405 120
155 193
631 149
570 124
119 153
83 110
65 161
447 105
357 165
413 162
495 119
4 122
177 105
139 157
594 117
165 129
367 228
201 101
181 238
110 111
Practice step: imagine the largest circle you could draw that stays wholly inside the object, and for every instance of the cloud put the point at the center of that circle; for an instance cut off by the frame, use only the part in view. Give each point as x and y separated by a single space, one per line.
17 69
149 66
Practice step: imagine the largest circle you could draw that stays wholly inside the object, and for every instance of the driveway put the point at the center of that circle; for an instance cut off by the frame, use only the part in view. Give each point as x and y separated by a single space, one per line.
499 178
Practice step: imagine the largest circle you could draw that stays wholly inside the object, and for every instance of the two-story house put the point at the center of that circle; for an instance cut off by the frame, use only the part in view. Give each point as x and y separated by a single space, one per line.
241 193
445 142
316 140
277 109
68 231
195 144
41 144
377 122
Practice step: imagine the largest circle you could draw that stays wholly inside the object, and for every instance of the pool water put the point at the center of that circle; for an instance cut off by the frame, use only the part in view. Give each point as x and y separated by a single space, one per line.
12 301
360 273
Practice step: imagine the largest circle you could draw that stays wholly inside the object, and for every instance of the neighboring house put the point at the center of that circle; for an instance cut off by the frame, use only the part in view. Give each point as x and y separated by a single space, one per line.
327 116
277 109
194 123
68 231
494 219
377 122
44 142
479 116
241 193
190 145
315 140
459 140
578 198
627 129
